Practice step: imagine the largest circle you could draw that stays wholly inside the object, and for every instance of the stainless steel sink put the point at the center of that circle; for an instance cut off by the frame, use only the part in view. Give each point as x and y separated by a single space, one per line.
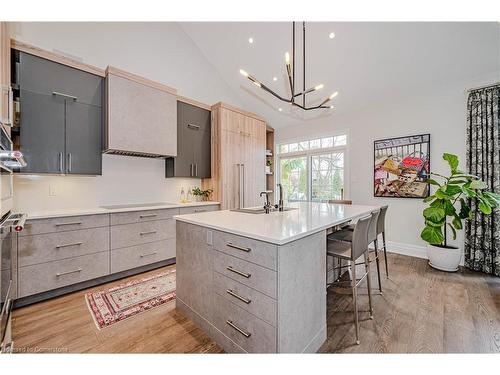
260 210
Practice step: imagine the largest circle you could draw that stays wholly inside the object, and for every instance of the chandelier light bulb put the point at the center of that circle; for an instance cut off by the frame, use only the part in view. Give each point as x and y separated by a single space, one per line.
280 109
319 87
257 83
275 79
334 95
331 35
243 73
287 58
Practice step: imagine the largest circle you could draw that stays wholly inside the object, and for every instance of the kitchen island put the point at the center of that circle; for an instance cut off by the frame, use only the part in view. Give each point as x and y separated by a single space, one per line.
257 282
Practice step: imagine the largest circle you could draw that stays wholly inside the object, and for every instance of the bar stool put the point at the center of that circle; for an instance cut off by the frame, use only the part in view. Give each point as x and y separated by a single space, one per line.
351 251
381 230
346 235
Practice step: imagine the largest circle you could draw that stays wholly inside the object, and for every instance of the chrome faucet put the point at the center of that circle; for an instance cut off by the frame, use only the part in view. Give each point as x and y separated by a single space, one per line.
280 202
267 205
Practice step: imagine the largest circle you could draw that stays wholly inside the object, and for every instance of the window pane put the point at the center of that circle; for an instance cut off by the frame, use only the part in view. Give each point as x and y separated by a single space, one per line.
327 176
283 149
340 140
304 145
294 178
292 147
327 142
315 143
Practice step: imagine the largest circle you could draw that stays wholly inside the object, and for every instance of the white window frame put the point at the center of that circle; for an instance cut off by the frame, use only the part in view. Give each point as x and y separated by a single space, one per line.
318 151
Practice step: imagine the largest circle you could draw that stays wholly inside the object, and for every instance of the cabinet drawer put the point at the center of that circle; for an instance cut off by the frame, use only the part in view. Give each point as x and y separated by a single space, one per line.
142 216
45 77
62 224
54 246
246 298
258 252
198 209
47 276
141 233
136 256
249 274
249 332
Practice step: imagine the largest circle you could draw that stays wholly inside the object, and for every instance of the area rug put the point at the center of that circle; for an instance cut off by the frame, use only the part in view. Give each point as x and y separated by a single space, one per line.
124 301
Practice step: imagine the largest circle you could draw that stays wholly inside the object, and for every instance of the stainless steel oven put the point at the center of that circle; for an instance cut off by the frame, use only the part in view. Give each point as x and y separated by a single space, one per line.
6 291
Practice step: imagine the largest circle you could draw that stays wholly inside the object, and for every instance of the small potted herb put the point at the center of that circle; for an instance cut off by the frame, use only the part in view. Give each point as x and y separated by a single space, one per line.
201 195
443 213
269 163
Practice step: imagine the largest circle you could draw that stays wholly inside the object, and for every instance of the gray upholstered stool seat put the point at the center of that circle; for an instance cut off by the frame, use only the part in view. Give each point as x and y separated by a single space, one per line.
339 249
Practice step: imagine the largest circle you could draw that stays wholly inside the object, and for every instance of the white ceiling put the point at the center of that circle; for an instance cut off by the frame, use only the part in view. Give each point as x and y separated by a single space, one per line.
364 62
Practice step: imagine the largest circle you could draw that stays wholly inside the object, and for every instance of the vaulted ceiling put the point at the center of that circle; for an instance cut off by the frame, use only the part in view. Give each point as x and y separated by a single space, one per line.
364 62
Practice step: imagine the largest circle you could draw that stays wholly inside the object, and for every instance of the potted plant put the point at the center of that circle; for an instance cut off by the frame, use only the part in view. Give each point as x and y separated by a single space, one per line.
201 195
269 163
448 207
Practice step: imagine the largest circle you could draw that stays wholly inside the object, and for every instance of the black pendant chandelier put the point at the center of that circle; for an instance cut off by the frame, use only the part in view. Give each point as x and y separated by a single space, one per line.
290 70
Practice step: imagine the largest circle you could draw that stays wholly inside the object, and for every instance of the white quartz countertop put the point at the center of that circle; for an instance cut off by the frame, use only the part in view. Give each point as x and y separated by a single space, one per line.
114 208
279 227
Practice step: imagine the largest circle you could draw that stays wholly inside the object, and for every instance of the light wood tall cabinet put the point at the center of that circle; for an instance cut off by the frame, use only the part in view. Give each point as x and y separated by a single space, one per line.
238 157
141 116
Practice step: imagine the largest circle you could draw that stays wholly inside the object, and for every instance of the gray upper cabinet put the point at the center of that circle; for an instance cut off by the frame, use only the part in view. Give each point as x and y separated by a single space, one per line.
193 143
61 117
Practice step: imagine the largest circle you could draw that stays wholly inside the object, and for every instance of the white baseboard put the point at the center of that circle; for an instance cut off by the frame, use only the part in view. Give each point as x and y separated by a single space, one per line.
407 249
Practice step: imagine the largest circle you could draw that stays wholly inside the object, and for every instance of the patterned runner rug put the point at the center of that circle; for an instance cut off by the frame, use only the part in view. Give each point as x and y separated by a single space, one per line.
115 304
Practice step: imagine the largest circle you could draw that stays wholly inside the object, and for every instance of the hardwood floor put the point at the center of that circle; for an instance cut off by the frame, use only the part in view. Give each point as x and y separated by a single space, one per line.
420 311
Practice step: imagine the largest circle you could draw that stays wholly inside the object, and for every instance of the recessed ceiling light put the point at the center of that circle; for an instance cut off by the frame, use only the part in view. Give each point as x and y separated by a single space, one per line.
275 79
280 109
331 35
250 40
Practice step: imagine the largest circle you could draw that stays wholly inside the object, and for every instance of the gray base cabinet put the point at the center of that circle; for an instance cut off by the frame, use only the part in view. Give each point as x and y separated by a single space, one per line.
60 252
252 296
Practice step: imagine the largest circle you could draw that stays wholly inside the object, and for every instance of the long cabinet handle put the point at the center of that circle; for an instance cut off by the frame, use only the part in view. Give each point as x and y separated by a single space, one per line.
193 126
232 293
70 223
196 170
243 184
68 272
61 162
231 324
191 170
148 232
241 273
56 93
242 248
147 255
200 210
146 216
69 161
69 244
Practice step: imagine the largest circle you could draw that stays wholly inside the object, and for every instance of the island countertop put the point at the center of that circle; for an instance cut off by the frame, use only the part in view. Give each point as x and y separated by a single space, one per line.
279 227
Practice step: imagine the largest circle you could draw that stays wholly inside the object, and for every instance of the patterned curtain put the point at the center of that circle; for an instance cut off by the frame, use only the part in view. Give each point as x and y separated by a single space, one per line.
482 233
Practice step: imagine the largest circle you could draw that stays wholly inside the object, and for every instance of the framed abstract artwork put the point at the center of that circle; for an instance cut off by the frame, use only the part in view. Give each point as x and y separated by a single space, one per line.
401 166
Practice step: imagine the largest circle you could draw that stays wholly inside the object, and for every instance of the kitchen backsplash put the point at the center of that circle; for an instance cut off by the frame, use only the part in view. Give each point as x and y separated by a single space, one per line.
123 180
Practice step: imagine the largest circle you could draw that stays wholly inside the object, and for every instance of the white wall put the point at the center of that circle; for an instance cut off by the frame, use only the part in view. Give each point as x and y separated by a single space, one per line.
159 51
440 111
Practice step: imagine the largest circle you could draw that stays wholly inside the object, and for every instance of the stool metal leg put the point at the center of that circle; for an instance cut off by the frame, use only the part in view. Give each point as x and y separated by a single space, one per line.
355 299
378 266
367 270
385 255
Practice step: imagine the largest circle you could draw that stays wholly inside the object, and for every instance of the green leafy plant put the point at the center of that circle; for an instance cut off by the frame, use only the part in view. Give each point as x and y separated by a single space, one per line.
205 194
458 189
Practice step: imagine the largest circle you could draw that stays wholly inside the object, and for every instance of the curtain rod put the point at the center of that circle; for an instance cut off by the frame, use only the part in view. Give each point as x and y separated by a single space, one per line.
484 87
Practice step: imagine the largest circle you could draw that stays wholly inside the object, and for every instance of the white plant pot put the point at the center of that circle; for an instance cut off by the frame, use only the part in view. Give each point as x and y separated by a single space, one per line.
444 258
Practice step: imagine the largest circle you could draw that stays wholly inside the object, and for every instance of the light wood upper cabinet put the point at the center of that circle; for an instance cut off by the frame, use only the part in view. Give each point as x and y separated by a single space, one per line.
142 116
238 157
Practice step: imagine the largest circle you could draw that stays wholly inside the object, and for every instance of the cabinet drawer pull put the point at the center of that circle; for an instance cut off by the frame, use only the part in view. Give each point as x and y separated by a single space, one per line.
72 223
193 126
245 249
201 210
68 272
246 300
231 324
148 215
69 244
149 232
65 95
147 255
247 275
